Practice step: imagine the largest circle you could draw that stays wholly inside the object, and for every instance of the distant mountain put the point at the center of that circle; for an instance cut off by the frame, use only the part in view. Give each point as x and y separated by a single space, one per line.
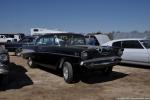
133 34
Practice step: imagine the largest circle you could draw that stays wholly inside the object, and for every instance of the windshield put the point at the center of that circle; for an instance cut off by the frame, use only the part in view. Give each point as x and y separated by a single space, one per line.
146 43
70 39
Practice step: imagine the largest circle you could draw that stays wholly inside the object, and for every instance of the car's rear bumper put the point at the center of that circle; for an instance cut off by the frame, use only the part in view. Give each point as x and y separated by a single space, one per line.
99 63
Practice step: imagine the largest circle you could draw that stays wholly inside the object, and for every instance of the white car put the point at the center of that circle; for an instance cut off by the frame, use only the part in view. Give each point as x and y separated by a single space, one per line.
136 51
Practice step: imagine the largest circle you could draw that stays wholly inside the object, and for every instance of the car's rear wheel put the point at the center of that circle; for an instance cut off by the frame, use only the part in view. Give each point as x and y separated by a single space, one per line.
108 70
69 73
31 63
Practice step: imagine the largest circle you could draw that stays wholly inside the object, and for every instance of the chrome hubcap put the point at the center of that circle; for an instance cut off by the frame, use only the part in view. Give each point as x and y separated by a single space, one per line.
65 72
30 61
18 53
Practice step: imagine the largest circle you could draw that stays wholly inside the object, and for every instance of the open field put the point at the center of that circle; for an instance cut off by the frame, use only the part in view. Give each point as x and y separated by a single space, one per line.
127 81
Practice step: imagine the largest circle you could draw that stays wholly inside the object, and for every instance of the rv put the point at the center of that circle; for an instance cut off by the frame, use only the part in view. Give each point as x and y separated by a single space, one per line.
42 31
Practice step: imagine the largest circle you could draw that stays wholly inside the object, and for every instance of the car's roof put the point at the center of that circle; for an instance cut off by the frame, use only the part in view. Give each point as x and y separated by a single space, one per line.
128 39
125 39
28 37
63 34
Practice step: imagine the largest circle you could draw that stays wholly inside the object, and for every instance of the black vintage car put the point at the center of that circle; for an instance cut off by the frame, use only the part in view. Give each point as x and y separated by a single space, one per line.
17 46
68 52
4 64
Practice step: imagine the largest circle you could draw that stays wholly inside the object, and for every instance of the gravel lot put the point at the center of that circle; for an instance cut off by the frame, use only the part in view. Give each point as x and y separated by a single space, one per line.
127 82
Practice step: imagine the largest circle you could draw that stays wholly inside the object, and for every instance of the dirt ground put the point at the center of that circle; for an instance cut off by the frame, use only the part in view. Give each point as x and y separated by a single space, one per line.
127 82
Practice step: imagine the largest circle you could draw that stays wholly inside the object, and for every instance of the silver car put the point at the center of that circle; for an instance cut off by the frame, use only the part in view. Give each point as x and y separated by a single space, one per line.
136 51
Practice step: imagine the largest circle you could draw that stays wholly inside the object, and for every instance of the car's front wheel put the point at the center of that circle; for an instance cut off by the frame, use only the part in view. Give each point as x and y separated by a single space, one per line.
69 73
31 63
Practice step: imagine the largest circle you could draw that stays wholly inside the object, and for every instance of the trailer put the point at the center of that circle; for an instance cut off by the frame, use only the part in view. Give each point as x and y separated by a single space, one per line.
42 31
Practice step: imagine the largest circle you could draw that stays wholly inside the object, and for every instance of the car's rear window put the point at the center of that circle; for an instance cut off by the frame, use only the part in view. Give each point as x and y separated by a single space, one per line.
146 43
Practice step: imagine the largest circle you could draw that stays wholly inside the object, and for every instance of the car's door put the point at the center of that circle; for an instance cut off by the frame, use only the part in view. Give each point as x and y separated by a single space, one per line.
45 52
146 45
148 49
36 54
134 52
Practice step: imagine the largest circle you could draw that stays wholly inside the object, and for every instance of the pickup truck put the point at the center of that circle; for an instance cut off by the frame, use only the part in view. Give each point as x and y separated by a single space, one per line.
17 46
5 39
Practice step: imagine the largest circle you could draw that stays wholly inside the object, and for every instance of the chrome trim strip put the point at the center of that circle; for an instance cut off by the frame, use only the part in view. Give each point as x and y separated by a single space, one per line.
59 54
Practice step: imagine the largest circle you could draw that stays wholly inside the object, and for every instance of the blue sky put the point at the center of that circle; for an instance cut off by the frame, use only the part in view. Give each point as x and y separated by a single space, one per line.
75 15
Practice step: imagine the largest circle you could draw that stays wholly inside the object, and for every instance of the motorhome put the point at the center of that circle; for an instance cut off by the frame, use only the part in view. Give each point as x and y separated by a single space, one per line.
42 31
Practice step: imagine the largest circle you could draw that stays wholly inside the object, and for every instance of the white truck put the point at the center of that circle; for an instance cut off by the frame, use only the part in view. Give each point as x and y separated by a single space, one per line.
5 39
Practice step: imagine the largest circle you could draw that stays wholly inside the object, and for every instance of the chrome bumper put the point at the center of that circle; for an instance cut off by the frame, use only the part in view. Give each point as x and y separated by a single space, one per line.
100 62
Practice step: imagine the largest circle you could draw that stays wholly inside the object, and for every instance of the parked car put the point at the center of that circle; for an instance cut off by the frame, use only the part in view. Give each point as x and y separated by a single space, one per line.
4 64
17 46
68 53
136 51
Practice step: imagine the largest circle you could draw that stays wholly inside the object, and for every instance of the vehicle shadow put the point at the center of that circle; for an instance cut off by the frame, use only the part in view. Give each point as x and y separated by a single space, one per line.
98 77
17 78
12 54
55 72
135 66
90 77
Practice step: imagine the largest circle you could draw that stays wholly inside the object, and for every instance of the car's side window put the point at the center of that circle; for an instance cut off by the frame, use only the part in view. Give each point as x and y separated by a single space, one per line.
116 44
39 41
60 40
146 43
49 40
133 44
